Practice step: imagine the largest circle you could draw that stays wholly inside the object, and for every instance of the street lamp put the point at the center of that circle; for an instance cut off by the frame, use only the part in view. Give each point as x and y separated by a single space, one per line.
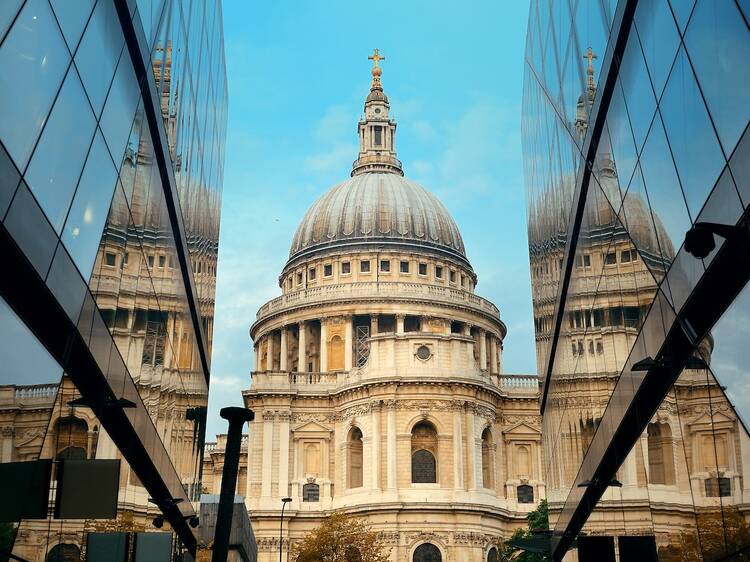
284 501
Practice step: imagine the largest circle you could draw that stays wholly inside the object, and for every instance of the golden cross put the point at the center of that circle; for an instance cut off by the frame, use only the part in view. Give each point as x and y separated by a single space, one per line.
590 56
376 57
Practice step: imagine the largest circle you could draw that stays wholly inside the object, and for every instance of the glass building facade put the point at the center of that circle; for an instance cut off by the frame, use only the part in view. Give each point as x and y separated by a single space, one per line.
637 170
112 128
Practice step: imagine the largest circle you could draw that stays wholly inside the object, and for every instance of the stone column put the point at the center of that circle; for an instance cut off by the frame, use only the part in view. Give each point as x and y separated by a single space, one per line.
400 323
90 442
493 354
482 350
458 448
373 324
269 352
302 357
375 421
256 357
471 448
348 343
284 351
265 475
391 472
284 454
323 346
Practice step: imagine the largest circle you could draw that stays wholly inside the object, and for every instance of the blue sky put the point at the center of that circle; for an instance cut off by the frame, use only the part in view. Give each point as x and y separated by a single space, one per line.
298 76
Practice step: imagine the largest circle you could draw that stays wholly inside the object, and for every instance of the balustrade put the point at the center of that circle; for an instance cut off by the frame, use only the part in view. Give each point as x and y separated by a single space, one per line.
386 290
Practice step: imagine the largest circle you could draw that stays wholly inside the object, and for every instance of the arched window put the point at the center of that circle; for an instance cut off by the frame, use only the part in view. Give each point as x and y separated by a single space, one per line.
355 458
487 480
64 552
423 453
660 455
492 555
427 553
525 494
72 438
310 493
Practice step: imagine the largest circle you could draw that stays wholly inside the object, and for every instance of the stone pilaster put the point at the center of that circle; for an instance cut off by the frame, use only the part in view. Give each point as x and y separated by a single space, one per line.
284 418
458 448
269 352
375 422
265 475
391 443
471 449
482 350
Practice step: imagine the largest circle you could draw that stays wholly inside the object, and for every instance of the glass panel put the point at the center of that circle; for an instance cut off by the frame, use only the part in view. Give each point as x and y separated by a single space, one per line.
659 39
8 11
33 59
72 17
117 116
85 221
99 52
682 10
9 179
663 189
718 42
697 155
31 230
636 86
58 159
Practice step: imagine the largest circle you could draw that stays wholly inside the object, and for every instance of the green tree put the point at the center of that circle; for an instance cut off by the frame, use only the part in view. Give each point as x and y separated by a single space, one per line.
538 520
341 538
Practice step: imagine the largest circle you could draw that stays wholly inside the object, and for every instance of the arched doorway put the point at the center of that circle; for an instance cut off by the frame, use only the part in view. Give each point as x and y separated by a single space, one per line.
64 552
427 553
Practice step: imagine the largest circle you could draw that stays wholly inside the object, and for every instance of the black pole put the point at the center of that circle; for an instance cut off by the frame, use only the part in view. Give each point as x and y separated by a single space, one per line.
284 501
236 417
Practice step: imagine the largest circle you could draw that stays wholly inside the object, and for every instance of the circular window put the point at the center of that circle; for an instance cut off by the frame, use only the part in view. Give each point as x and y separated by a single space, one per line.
423 352
377 110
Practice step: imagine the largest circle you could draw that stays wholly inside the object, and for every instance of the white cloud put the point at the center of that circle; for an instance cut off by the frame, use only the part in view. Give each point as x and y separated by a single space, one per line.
338 158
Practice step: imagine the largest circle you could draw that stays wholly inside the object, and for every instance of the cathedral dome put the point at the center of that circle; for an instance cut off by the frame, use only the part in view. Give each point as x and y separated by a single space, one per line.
381 210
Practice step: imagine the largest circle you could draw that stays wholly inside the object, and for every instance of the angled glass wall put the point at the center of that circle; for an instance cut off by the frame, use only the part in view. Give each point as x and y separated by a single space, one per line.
635 119
111 166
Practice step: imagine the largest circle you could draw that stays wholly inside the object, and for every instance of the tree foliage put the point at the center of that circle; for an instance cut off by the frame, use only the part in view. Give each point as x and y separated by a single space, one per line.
341 538
538 520
720 533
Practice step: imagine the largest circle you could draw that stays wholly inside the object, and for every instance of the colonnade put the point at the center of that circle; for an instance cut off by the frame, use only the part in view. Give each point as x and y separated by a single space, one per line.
276 344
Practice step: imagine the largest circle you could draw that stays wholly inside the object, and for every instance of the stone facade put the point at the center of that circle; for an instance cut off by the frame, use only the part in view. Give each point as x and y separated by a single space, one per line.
378 385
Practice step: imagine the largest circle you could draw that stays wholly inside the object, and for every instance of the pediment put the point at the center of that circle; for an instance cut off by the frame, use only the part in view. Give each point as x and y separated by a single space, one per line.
311 427
707 419
521 428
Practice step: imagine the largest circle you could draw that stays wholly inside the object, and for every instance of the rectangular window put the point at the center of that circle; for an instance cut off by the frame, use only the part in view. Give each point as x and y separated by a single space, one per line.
299 278
453 276
171 262
404 267
599 347
579 261
423 269
125 258
109 259
591 347
364 266
378 136
346 267
327 270
385 266
463 281
610 258
631 316
438 272
162 261
586 260
311 274
151 261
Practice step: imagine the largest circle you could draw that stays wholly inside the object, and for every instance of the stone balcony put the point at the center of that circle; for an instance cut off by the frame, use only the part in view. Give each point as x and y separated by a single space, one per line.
378 291
285 381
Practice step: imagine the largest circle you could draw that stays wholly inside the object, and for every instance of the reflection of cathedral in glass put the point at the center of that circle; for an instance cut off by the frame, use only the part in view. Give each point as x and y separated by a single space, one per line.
612 283
122 257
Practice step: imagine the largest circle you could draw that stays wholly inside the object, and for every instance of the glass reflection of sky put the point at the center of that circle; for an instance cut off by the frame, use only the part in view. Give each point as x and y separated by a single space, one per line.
24 360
